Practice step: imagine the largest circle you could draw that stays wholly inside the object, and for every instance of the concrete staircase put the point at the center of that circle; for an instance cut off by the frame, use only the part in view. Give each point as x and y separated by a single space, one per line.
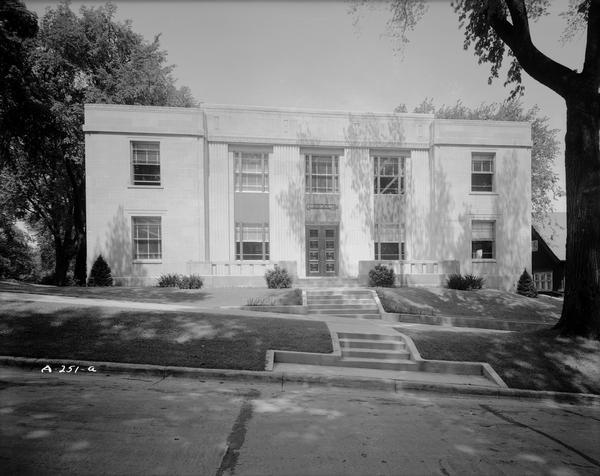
354 303
374 351
327 282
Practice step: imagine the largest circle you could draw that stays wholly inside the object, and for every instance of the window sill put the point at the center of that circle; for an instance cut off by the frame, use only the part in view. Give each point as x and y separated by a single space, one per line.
153 187
251 191
483 260
147 261
483 193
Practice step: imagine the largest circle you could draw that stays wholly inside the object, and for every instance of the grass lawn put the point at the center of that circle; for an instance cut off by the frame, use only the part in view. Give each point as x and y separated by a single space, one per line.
486 303
212 297
175 338
535 360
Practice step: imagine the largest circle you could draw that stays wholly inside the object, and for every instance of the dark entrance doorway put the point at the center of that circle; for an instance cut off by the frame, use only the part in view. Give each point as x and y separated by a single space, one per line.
322 245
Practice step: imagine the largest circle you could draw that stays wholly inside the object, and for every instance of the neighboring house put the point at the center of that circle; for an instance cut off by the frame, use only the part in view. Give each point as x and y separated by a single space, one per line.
228 191
549 240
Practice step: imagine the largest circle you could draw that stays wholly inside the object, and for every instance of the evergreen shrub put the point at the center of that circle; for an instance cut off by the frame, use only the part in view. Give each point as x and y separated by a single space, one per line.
525 286
278 278
100 275
382 276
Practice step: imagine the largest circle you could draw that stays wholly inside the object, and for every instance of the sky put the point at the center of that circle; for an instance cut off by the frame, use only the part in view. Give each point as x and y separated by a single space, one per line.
310 54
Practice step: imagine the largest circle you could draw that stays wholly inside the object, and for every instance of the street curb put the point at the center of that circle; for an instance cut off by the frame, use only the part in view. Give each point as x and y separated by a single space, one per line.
366 383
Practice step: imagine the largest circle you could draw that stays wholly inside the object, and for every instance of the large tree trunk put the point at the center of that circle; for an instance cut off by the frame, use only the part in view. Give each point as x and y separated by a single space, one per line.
61 263
581 308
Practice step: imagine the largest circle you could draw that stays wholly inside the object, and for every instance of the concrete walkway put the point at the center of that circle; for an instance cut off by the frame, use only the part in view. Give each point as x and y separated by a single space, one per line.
336 325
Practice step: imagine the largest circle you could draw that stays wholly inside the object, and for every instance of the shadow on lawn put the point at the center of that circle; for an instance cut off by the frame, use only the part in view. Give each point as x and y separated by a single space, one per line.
489 303
138 294
537 360
180 339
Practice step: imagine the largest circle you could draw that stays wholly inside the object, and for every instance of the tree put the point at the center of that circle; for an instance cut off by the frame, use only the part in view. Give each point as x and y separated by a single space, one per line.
525 286
544 182
72 60
499 30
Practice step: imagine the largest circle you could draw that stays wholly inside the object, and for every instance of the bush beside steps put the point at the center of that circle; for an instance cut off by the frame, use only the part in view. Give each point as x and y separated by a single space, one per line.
468 282
174 280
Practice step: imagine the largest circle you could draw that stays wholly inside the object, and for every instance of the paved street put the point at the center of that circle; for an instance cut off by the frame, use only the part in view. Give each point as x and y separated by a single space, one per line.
88 423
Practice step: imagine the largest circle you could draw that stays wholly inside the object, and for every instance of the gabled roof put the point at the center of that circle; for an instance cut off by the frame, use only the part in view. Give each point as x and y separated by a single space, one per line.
553 231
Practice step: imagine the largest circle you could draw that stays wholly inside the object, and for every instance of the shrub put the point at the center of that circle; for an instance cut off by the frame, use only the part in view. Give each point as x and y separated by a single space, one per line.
170 280
193 281
261 301
100 275
468 282
381 276
278 278
525 285
456 281
473 282
173 280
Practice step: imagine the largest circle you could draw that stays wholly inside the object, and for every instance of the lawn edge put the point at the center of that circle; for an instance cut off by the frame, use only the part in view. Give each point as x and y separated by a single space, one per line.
366 383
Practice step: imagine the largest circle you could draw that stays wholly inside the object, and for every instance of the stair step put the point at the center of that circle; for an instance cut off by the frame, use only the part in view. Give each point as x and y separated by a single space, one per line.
372 344
338 292
383 364
340 301
370 306
367 336
357 316
378 354
335 311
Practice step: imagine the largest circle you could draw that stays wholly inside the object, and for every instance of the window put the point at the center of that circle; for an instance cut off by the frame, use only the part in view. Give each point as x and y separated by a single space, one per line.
252 241
147 240
322 173
145 162
534 245
543 281
482 240
251 171
482 173
389 244
389 174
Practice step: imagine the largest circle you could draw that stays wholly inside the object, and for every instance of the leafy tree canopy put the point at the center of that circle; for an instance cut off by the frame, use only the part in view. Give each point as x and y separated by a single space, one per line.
48 73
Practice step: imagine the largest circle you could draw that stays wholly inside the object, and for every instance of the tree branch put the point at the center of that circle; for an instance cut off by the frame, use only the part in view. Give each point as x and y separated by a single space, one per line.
517 37
591 64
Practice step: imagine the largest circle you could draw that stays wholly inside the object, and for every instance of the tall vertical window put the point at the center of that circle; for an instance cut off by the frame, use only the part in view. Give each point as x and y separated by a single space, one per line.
145 163
252 241
389 242
251 171
482 173
147 238
483 244
322 173
388 174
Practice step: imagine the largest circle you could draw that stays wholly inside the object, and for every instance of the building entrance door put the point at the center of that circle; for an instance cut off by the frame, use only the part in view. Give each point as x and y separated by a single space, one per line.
322 245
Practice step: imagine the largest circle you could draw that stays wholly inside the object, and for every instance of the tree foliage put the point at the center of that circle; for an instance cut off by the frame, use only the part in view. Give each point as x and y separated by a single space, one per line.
544 182
48 74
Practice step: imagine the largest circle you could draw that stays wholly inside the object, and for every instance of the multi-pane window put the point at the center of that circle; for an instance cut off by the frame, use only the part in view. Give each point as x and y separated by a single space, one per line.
543 281
482 173
322 173
147 239
388 174
251 171
145 163
252 241
483 240
389 242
